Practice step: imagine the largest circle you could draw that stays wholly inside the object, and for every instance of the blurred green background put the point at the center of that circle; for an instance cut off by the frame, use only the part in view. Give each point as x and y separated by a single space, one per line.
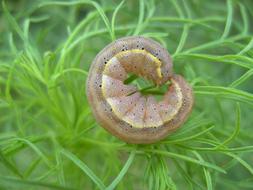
48 136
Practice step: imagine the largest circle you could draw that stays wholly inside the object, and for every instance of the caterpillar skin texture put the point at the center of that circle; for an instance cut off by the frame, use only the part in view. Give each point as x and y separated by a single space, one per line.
124 111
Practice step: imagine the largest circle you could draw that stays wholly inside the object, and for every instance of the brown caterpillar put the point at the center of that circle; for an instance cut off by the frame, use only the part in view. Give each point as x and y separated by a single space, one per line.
122 109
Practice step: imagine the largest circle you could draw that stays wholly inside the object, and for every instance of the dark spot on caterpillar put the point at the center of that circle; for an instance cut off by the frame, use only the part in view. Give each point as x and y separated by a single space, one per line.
142 48
105 62
137 46
100 85
111 109
123 49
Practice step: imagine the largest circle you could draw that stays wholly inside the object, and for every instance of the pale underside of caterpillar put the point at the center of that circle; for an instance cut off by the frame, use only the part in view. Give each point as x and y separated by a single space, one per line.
120 108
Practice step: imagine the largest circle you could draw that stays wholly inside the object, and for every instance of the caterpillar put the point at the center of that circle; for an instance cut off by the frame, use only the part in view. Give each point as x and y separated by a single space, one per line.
121 108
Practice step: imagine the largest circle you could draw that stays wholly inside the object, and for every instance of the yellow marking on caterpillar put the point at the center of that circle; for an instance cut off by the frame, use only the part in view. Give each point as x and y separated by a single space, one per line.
155 59
179 103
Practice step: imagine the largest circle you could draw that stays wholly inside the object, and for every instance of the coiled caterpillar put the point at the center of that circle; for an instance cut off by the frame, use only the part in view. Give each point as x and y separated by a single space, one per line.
122 109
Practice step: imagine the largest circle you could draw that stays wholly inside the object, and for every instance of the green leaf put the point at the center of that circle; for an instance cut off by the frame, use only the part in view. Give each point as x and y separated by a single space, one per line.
14 182
84 168
122 172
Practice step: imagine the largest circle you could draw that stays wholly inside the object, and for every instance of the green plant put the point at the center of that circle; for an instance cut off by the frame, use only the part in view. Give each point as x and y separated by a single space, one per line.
48 136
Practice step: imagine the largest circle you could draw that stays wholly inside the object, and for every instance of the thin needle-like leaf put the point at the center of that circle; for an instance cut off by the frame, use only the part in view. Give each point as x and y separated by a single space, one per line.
140 18
84 168
122 172
229 19
206 172
237 128
114 17
186 158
